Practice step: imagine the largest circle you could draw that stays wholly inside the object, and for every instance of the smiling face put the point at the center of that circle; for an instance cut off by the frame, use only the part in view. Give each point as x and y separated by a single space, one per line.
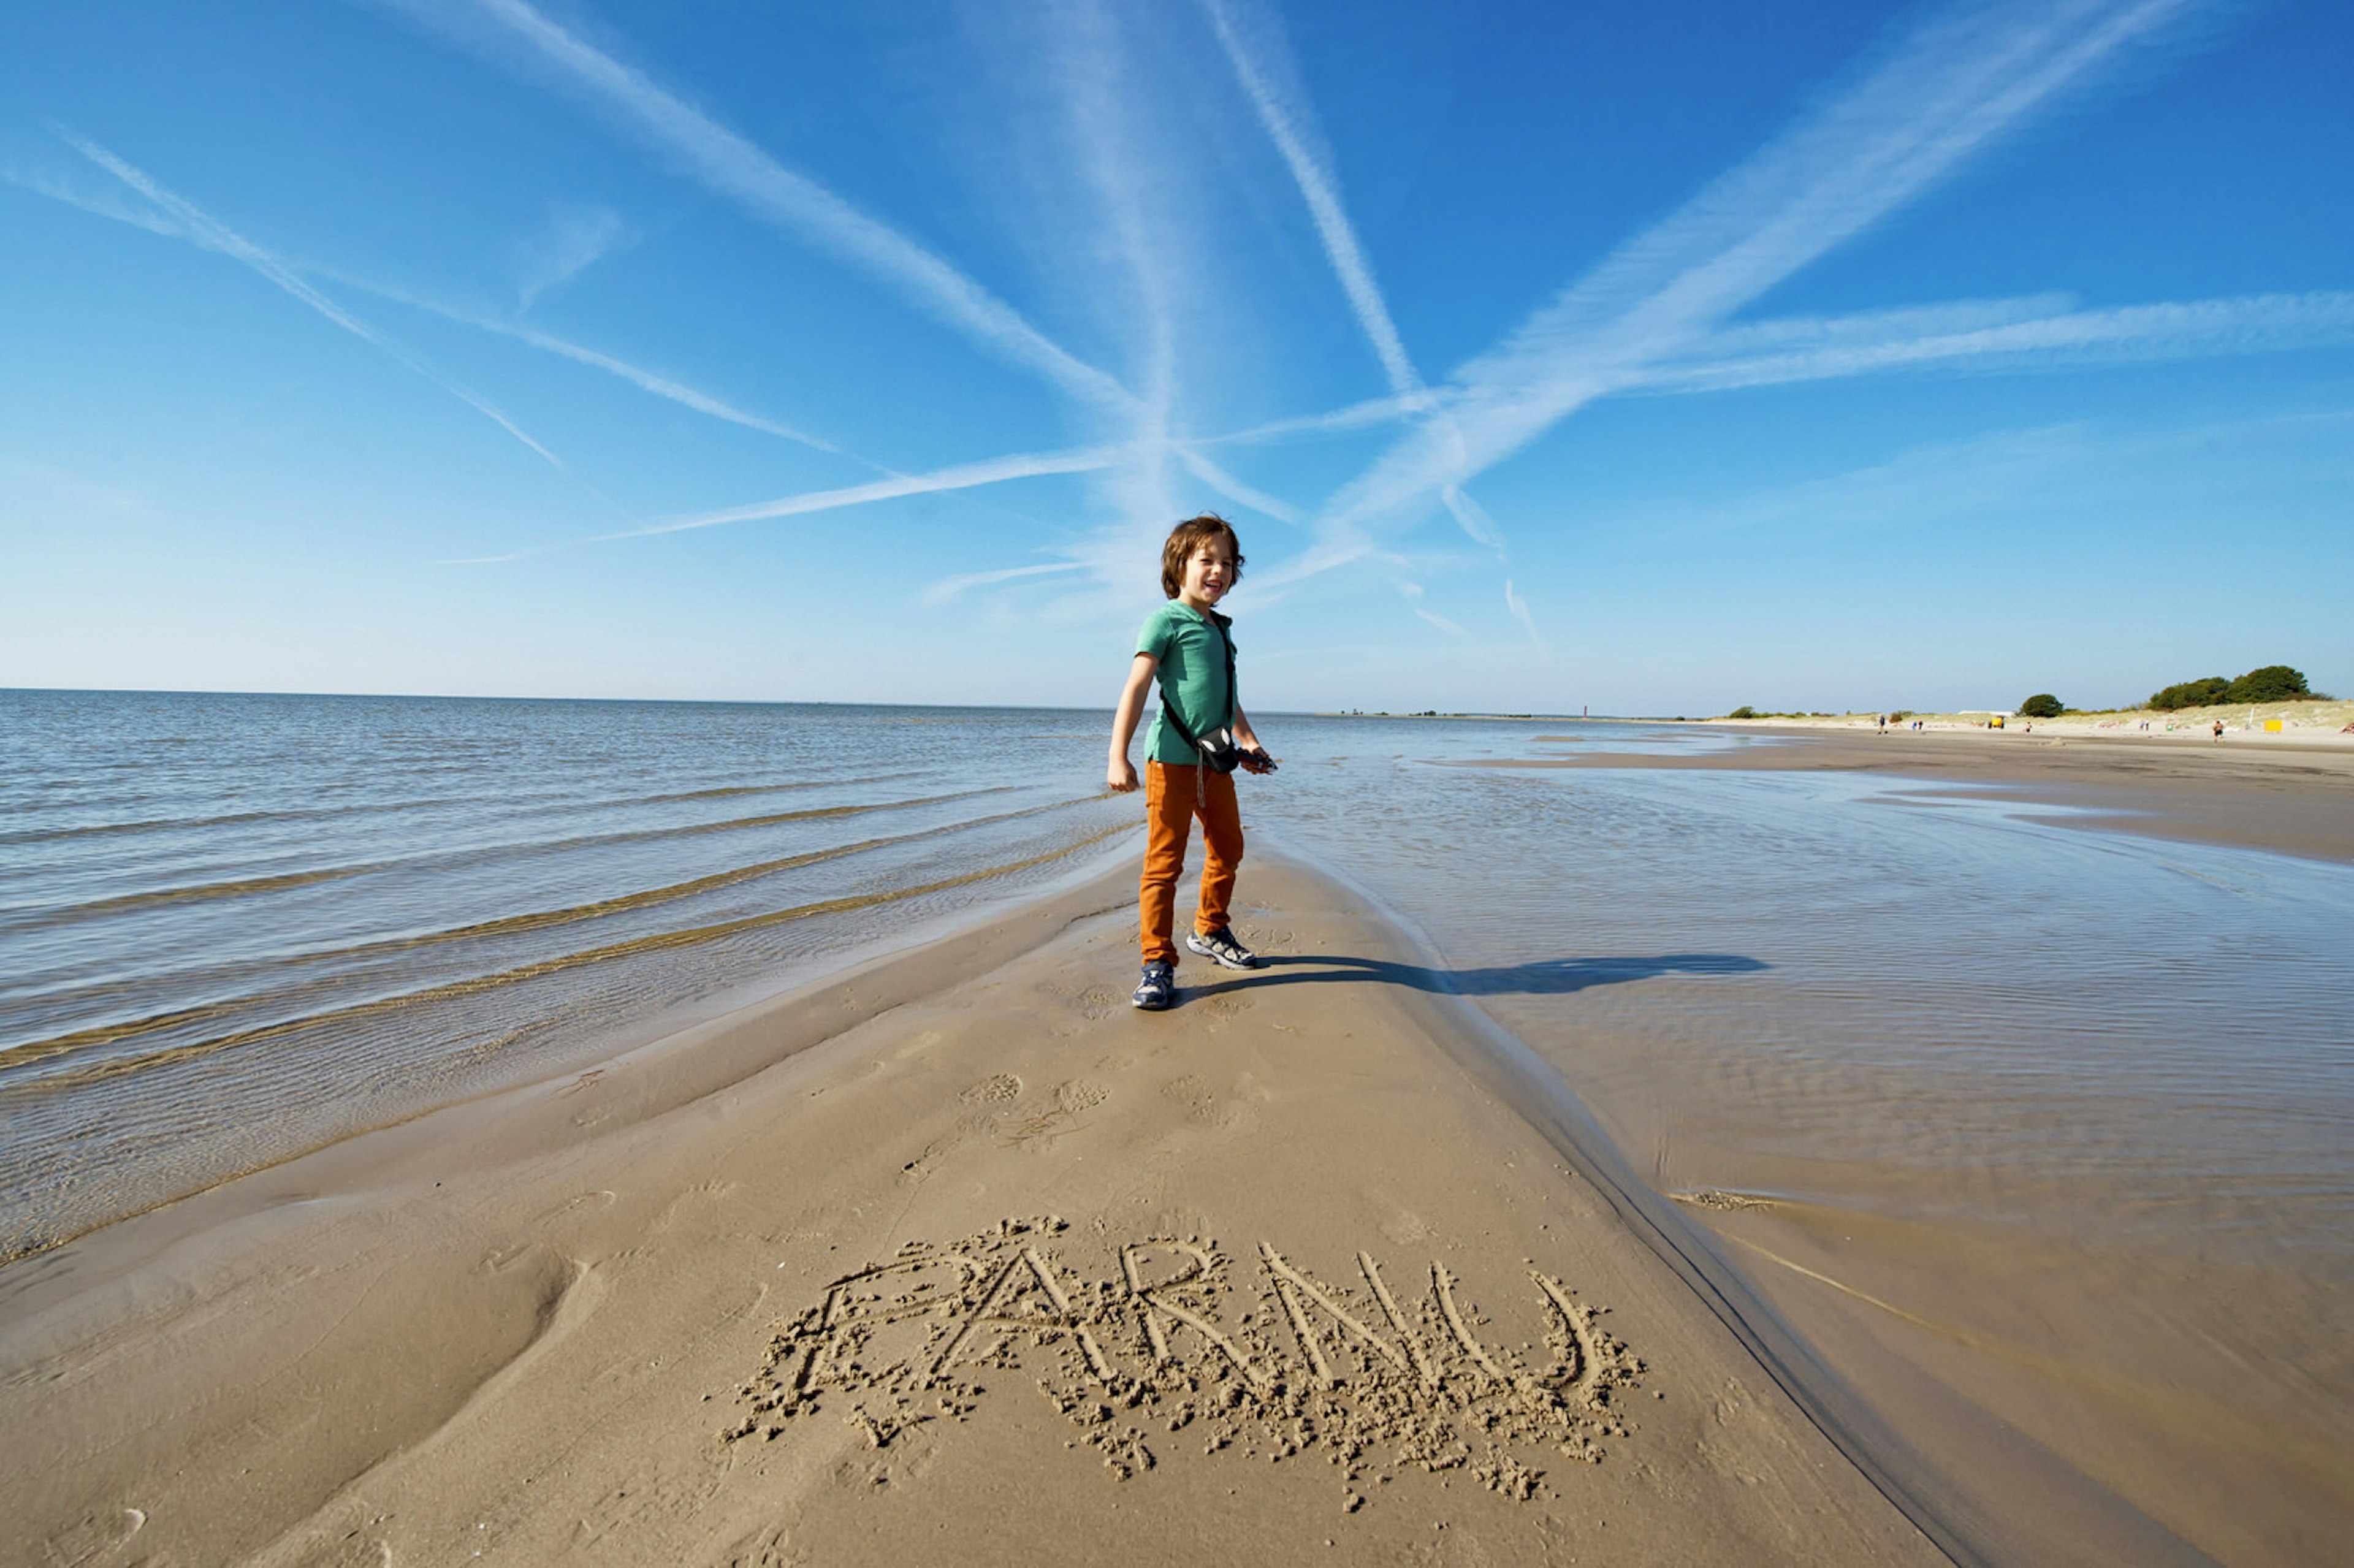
1199 552
1209 572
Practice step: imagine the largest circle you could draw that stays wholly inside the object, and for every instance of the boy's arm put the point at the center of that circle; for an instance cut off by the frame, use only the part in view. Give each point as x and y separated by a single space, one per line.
1121 774
1247 738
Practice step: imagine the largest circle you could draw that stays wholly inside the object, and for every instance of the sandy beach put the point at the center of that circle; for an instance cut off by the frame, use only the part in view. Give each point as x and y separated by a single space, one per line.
954 1257
2290 794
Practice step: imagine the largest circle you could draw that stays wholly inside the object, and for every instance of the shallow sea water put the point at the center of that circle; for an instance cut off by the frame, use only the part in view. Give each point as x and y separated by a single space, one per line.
2062 1120
233 928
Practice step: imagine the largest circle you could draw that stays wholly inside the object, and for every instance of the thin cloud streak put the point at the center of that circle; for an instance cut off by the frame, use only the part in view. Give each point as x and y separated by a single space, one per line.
637 375
2003 332
104 205
1441 622
947 589
1234 489
1472 518
1355 417
964 476
1947 91
209 232
1105 137
645 380
1519 609
1848 346
575 240
734 167
1267 80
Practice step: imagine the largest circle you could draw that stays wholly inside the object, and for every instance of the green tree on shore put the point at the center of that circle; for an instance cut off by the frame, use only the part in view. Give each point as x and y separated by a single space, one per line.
2197 694
2271 684
2043 705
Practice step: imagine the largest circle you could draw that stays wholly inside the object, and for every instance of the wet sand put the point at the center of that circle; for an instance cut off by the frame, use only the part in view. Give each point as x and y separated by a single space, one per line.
1968 1247
2255 792
954 1257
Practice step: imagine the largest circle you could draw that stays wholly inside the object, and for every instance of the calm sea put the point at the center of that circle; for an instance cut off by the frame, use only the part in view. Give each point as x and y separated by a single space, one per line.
2063 1118
233 928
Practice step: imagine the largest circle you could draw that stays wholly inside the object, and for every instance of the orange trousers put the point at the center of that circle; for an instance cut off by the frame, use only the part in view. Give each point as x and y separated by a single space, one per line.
1174 794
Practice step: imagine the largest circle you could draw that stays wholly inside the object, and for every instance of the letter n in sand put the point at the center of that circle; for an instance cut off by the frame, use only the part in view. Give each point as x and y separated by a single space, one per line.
1298 1292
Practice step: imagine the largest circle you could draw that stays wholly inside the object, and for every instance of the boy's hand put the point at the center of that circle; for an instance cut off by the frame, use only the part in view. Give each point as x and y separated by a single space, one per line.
1257 760
1121 775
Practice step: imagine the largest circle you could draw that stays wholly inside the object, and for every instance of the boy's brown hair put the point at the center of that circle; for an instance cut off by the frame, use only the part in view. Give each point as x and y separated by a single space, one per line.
1187 536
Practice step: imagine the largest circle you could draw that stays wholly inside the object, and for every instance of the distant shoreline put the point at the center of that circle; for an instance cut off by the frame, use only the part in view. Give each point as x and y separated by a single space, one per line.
2287 794
2324 723
1500 718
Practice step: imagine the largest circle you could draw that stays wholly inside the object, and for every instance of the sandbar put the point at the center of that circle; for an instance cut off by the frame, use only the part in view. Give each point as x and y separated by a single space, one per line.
2289 798
952 1257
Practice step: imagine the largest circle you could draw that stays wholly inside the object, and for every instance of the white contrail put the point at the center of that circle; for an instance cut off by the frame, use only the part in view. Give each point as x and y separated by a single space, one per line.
1107 136
1234 489
1947 91
734 167
1355 417
637 375
1519 609
576 240
1472 518
105 203
947 589
1441 622
205 229
2000 332
645 380
964 476
1850 346
1267 80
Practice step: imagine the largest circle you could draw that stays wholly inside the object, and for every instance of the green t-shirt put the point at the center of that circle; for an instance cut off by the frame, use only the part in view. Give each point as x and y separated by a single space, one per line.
1192 666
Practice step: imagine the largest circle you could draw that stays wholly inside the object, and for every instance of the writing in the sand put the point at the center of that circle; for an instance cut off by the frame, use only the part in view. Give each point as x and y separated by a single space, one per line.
1164 1340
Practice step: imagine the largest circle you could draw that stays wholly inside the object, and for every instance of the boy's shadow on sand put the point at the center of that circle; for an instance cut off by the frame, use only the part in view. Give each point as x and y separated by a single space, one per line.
1547 976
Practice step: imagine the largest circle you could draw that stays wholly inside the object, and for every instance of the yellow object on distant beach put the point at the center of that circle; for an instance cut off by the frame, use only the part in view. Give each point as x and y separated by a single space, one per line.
2273 725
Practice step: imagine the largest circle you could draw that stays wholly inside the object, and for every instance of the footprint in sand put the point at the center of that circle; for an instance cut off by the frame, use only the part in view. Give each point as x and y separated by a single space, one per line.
1202 1103
1080 1095
1003 1088
95 1539
1226 1006
1071 1100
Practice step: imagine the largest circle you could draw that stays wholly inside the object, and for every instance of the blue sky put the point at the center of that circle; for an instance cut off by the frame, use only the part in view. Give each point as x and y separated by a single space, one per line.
1837 356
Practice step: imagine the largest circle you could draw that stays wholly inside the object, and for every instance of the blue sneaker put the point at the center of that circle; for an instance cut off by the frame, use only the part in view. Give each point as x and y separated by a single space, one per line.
1158 988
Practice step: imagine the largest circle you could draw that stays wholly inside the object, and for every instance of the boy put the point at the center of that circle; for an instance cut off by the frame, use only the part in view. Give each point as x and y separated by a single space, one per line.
1184 643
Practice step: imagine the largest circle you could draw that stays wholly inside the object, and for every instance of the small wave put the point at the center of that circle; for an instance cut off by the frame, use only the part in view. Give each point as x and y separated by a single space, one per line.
732 790
241 888
381 808
38 1051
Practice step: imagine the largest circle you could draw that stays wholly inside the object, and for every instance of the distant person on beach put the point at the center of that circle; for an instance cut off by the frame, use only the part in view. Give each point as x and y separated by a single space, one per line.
2219 730
1200 735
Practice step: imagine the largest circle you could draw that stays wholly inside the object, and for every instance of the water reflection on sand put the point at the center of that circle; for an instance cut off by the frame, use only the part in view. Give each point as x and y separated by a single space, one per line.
2061 1119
